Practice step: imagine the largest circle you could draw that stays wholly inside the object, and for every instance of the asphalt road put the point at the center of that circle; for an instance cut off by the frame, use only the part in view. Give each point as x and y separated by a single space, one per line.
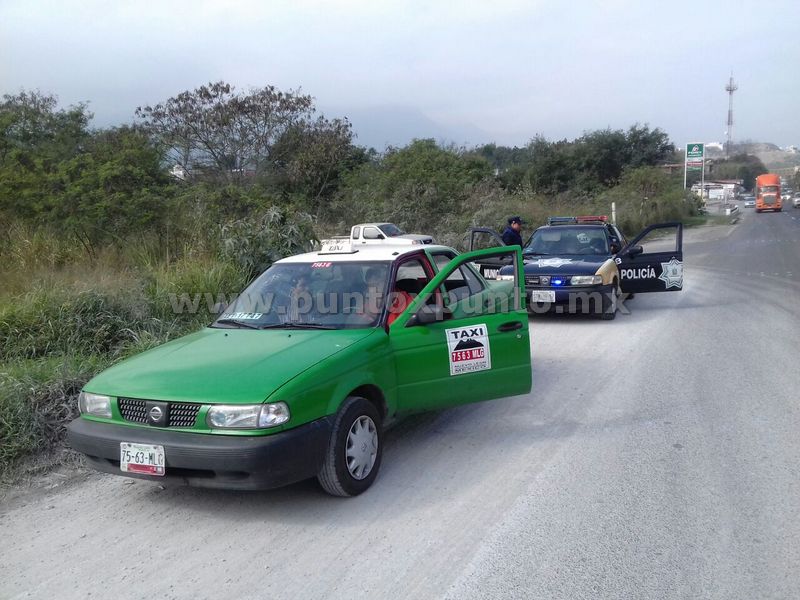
658 456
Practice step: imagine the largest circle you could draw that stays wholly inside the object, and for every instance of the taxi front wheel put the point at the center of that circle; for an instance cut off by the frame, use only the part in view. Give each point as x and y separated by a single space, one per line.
353 455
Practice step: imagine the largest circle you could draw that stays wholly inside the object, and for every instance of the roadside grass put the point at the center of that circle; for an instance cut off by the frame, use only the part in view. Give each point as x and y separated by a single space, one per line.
63 322
37 399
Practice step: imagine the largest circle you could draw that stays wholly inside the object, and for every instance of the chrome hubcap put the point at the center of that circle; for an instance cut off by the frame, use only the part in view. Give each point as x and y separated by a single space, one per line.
361 449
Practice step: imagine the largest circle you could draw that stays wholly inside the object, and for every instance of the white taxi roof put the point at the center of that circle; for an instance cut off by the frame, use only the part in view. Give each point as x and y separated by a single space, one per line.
382 252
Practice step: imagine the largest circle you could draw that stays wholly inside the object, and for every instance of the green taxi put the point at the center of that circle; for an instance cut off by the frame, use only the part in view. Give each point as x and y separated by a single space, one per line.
301 374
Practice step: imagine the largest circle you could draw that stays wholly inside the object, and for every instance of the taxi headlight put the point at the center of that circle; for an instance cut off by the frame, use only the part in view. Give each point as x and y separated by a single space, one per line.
248 416
94 404
586 280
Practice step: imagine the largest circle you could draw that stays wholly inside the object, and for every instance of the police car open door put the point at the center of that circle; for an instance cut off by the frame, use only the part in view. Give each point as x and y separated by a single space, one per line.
482 238
455 348
653 261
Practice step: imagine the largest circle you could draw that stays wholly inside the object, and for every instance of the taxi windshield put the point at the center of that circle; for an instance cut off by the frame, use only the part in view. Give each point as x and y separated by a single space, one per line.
314 295
563 240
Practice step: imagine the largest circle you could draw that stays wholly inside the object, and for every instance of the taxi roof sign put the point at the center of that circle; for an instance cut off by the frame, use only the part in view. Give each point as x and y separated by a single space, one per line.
341 245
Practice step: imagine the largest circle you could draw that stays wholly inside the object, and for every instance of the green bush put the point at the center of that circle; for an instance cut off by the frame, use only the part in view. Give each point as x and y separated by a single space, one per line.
167 286
255 242
61 321
37 399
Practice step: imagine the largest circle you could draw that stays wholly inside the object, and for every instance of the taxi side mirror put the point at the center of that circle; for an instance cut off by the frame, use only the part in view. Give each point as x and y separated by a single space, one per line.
428 314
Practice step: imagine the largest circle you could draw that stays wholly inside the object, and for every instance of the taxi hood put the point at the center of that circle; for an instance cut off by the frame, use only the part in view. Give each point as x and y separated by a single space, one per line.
230 366
566 264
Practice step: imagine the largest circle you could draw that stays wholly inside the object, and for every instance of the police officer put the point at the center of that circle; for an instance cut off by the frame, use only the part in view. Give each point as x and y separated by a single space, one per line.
511 236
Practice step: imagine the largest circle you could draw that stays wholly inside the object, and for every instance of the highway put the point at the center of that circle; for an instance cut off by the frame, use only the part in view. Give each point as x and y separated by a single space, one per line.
658 456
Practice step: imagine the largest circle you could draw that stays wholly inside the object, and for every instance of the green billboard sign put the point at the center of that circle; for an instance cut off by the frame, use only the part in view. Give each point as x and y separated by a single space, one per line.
694 156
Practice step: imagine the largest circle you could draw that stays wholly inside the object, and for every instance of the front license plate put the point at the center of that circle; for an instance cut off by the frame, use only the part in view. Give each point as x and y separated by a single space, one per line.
543 296
146 459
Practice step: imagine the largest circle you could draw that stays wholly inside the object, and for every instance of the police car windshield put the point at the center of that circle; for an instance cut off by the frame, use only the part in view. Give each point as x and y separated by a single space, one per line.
565 240
318 295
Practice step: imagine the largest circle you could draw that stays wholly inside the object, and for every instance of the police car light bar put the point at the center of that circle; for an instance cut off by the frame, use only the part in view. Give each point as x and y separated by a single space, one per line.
560 220
591 219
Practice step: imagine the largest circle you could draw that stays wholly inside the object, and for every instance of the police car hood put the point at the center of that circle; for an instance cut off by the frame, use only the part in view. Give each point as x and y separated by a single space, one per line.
567 264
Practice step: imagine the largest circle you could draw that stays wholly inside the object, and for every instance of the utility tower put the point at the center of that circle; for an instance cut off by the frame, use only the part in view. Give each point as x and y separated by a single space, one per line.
730 88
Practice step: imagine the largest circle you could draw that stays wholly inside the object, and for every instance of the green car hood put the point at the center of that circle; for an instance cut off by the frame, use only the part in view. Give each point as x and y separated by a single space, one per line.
229 366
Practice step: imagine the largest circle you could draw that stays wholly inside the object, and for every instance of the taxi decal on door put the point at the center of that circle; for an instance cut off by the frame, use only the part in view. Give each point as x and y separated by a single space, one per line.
469 349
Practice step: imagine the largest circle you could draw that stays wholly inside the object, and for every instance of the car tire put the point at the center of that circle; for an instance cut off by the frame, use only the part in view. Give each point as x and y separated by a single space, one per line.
609 304
354 451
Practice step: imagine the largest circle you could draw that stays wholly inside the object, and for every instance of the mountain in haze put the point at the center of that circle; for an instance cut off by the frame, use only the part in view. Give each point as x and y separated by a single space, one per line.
381 126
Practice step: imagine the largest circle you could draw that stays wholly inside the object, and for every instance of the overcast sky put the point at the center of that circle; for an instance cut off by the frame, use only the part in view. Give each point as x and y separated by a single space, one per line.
468 72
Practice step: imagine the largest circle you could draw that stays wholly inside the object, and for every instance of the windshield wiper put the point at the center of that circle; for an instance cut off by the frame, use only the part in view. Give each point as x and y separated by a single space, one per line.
534 254
296 325
235 322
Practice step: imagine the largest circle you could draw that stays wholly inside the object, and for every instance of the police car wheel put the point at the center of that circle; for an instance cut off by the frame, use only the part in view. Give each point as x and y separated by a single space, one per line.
609 304
354 451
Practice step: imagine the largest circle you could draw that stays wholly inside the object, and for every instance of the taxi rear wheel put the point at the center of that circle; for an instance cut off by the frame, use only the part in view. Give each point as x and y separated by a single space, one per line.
354 451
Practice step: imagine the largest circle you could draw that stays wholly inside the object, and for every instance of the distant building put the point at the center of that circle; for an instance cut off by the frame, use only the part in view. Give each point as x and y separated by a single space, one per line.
178 172
720 190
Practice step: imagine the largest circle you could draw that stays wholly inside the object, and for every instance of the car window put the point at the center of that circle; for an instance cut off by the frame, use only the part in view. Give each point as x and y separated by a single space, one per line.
411 276
616 238
391 230
462 283
371 233
481 240
356 232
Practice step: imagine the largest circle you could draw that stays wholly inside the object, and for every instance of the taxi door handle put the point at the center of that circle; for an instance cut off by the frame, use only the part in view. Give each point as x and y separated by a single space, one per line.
510 326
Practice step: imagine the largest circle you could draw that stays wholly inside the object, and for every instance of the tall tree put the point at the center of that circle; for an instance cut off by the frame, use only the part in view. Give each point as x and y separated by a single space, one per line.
218 133
311 157
35 137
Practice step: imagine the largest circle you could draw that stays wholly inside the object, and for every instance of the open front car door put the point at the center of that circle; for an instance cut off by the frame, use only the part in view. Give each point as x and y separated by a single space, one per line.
653 261
453 349
481 238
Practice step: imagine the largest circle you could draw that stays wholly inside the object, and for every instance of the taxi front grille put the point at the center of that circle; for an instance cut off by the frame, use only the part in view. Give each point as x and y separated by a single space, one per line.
181 414
133 410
